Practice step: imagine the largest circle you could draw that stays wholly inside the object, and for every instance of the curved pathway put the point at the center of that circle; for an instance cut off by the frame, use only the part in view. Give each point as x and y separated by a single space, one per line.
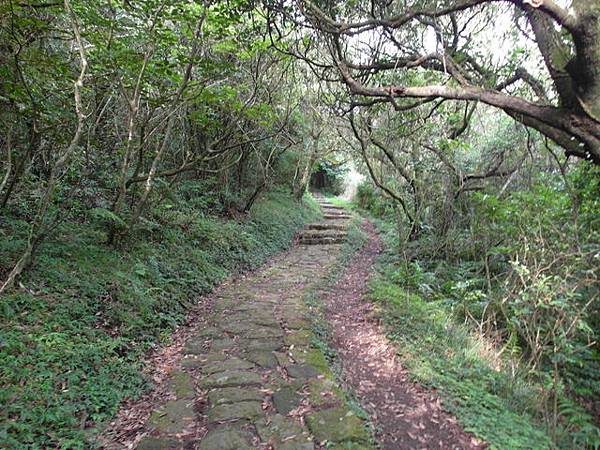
252 375
251 378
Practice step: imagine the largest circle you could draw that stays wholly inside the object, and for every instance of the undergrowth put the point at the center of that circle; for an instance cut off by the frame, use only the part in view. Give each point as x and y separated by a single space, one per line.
490 395
73 334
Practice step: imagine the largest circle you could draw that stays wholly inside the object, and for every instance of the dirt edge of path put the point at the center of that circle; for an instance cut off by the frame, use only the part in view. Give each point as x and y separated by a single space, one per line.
405 415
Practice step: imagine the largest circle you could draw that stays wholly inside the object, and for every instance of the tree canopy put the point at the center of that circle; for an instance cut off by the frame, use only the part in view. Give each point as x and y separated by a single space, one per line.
535 60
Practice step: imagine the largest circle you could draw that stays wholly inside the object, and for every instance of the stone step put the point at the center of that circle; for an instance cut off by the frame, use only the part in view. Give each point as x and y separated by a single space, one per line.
333 207
336 216
313 234
323 241
324 226
334 211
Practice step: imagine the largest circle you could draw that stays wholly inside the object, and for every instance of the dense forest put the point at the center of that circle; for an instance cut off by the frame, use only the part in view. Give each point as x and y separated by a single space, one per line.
151 149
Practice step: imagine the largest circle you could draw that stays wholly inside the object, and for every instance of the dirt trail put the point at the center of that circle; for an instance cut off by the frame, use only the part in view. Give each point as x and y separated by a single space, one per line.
248 376
406 415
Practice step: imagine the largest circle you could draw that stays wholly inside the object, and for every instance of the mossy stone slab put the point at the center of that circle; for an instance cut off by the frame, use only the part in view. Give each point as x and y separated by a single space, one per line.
349 445
337 425
195 347
263 321
300 338
296 444
253 331
226 438
182 384
259 332
263 344
231 378
285 400
218 345
233 395
302 371
153 443
228 364
324 391
210 357
173 417
279 430
317 359
192 363
298 324
282 358
207 333
263 358
231 411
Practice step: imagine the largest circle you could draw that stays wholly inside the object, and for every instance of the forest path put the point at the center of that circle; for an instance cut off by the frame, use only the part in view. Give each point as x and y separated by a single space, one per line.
405 415
249 376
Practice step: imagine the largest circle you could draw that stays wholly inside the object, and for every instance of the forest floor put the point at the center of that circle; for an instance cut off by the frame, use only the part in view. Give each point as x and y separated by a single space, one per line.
405 415
254 373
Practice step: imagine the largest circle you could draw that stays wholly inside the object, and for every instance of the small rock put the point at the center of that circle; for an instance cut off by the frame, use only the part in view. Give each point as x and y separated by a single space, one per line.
226 438
231 411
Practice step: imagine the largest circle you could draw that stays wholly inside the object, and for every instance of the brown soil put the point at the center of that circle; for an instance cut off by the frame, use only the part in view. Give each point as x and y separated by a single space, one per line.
406 416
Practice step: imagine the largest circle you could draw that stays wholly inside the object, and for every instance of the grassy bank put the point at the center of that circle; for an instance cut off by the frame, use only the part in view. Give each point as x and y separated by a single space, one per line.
488 391
442 353
73 334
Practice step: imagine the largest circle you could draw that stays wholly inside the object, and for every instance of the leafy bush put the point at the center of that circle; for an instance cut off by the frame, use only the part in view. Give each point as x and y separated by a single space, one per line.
522 290
370 199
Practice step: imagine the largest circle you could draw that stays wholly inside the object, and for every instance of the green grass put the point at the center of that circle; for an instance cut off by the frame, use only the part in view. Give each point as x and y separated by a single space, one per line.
72 337
338 201
475 384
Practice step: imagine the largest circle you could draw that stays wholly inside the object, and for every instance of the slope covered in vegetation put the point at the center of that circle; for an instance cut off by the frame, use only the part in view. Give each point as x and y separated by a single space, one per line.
73 335
463 317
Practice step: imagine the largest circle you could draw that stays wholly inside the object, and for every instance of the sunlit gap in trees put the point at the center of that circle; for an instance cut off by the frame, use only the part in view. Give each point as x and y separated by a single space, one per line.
351 181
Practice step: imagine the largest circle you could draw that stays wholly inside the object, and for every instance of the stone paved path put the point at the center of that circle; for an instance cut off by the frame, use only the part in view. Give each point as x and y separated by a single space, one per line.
252 379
